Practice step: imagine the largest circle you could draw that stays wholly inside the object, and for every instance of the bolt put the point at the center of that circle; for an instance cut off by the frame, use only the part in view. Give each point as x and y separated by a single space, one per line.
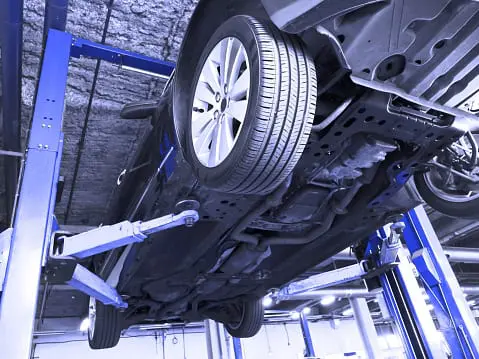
189 221
43 125
49 126
40 146
46 147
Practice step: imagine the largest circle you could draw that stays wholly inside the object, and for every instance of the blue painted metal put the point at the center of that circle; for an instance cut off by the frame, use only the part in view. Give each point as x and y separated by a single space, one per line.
456 320
308 342
238 350
11 40
407 306
82 47
34 215
55 15
93 286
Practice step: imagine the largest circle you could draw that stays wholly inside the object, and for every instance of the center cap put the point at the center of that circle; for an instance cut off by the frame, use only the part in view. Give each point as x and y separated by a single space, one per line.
223 105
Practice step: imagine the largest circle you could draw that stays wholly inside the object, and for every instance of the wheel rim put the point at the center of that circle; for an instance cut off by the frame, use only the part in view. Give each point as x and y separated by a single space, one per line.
220 102
91 317
235 325
448 195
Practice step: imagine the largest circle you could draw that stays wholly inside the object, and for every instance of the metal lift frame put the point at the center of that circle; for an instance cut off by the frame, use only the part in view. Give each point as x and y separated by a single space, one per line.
405 300
34 219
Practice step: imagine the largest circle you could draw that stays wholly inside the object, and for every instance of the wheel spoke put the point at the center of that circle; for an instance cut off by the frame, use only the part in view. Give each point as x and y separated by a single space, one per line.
237 109
226 47
227 138
203 140
199 121
203 93
239 58
211 76
241 86
215 147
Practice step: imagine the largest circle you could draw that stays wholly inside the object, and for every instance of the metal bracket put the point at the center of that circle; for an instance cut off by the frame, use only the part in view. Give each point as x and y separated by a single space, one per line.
105 238
5 240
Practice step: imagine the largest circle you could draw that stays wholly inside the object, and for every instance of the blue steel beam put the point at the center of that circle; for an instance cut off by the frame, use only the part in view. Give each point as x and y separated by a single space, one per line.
308 342
11 32
55 15
456 320
82 47
34 214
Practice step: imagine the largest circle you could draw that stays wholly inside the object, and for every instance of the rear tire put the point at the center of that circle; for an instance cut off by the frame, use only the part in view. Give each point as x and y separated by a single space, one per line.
464 209
281 103
250 322
105 325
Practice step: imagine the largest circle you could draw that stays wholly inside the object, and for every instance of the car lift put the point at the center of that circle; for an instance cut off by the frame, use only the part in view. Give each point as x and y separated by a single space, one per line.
397 273
32 246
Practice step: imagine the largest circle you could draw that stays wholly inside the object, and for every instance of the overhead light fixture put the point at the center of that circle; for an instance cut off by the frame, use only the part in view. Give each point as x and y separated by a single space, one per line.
328 300
84 325
294 315
306 310
267 301
348 312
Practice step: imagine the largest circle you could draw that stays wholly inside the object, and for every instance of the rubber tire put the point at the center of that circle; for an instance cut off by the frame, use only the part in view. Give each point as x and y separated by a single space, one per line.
108 327
251 322
279 116
454 209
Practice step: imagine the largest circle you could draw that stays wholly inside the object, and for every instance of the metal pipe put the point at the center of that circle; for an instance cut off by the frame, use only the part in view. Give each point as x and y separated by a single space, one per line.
453 254
462 255
366 327
308 342
333 116
11 32
338 292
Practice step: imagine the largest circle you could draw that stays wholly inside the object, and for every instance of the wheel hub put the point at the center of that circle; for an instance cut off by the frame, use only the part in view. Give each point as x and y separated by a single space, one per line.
220 102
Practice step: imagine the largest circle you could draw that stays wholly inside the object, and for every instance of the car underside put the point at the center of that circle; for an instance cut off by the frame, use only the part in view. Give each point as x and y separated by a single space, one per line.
390 104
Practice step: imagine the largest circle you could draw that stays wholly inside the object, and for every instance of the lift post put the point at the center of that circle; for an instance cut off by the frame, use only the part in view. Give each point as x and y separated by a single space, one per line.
27 244
456 321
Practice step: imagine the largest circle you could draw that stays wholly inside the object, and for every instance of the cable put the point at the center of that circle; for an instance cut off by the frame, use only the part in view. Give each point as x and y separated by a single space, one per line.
81 144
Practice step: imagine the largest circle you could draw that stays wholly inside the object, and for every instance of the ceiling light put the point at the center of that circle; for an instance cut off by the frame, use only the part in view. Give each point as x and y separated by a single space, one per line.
84 325
348 312
328 300
430 307
306 310
267 301
294 315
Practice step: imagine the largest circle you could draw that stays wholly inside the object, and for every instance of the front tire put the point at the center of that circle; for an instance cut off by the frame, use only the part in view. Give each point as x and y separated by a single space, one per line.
249 323
105 326
248 138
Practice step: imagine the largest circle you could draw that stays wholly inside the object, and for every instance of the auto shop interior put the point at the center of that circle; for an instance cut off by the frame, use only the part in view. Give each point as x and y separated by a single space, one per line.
239 179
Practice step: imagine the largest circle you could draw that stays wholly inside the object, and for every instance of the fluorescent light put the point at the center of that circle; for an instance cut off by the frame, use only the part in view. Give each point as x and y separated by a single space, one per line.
306 310
348 312
328 300
85 324
267 301
294 315
430 307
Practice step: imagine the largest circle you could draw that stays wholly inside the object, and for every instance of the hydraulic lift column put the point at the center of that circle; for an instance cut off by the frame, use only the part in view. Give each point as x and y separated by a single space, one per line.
366 327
